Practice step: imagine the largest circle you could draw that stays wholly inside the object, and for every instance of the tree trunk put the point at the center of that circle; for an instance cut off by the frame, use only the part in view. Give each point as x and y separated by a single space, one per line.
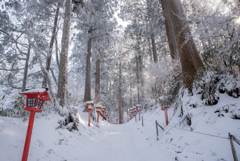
169 30
49 56
97 82
87 94
150 49
188 54
141 77
63 71
153 40
26 69
120 94
137 73
154 49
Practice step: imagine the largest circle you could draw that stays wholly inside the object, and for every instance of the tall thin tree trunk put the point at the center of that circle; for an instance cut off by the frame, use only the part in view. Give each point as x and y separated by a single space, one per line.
49 56
57 57
97 81
169 30
137 73
152 39
150 49
131 102
87 94
26 70
120 94
63 71
141 77
154 49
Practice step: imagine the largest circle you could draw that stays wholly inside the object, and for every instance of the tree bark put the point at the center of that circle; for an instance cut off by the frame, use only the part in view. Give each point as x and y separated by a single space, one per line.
153 40
154 49
26 69
169 30
188 54
87 94
120 94
141 78
97 82
49 56
63 71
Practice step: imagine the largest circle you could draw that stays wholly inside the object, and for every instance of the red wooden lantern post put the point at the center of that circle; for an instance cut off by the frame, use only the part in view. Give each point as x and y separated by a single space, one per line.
164 103
108 116
89 108
166 115
135 112
98 110
34 101
117 120
138 110
131 113
103 112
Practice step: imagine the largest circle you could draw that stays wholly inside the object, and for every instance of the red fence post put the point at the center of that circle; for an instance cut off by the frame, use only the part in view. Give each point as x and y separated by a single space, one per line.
166 115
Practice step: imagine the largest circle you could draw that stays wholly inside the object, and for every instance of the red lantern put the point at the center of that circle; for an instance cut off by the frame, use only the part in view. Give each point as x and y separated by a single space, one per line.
103 112
117 120
98 110
166 115
34 101
89 108
138 110
130 116
135 112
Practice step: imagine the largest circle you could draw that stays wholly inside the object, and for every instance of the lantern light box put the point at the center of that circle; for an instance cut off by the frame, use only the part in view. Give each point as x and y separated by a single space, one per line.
35 99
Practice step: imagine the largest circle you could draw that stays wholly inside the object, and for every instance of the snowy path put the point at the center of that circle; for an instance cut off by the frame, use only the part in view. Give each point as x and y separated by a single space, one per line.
121 142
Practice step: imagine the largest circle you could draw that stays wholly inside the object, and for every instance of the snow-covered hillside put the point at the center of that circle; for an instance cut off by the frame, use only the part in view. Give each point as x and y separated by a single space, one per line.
130 141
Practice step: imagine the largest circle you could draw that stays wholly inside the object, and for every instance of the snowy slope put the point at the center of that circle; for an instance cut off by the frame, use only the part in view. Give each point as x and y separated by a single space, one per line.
128 142
186 143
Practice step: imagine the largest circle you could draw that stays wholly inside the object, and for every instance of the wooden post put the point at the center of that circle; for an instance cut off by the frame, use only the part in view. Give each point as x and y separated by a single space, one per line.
157 129
232 147
28 137
142 120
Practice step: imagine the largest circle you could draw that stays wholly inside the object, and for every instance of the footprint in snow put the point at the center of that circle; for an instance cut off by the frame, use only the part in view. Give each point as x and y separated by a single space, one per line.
40 143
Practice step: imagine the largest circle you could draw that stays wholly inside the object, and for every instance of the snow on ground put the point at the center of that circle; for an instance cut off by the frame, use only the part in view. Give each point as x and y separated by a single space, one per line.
128 142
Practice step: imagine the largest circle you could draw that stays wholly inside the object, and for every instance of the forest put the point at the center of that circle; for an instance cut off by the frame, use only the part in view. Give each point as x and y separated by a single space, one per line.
177 55
118 53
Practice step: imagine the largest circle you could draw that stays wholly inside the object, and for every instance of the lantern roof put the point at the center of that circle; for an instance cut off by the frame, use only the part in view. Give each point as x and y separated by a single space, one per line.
89 102
41 92
138 105
98 106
